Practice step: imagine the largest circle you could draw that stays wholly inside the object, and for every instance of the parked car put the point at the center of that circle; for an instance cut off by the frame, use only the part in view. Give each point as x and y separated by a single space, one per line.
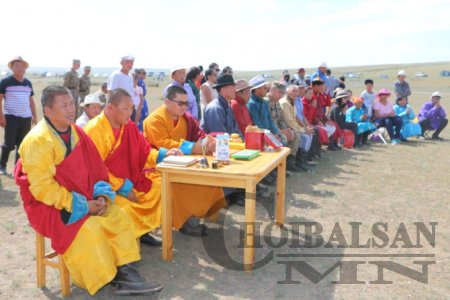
445 73
421 74
383 76
351 75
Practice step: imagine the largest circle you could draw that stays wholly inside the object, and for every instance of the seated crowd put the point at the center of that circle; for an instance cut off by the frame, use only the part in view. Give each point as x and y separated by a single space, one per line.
100 216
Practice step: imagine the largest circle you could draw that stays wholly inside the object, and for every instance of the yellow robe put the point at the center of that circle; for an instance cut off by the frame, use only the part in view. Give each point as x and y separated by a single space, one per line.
146 213
103 242
160 131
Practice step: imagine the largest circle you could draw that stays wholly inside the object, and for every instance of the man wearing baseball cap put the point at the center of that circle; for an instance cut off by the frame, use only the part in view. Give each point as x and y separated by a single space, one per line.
432 116
19 109
92 107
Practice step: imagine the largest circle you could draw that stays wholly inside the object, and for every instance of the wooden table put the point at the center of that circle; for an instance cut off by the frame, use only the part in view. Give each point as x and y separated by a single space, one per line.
239 174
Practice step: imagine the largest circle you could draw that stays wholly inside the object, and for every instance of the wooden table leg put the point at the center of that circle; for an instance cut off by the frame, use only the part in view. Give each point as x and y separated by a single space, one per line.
281 188
166 198
250 210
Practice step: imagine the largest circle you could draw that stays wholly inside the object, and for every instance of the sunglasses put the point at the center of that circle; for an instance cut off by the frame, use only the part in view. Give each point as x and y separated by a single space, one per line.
181 103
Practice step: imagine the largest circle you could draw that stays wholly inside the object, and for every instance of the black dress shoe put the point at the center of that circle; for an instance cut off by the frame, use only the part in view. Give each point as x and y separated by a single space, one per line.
149 240
197 231
130 282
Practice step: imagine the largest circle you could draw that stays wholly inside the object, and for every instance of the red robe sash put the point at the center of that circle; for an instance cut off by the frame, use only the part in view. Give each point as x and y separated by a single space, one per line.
194 132
128 160
78 172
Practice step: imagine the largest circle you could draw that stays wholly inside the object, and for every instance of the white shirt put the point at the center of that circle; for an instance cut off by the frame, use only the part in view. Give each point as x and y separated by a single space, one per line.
117 79
82 120
135 96
213 92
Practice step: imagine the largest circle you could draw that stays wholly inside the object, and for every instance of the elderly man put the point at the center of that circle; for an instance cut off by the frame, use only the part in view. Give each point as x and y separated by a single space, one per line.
305 133
130 160
179 79
239 105
289 136
432 116
19 109
85 83
72 82
170 126
121 78
401 87
92 107
78 213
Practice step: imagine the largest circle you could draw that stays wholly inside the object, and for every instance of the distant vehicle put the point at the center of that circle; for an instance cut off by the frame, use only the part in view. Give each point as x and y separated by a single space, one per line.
421 74
445 73
383 76
267 75
151 74
351 75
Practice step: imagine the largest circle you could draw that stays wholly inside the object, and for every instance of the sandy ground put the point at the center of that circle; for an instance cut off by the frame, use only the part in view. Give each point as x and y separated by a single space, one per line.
406 183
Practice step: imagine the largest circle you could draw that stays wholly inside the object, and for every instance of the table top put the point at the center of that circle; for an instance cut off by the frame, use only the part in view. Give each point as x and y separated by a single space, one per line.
256 167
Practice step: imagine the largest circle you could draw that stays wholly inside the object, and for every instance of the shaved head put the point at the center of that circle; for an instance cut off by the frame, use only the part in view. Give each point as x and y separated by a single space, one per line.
117 95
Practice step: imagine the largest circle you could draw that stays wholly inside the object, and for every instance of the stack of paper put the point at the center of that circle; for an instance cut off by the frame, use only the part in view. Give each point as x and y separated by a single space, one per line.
179 161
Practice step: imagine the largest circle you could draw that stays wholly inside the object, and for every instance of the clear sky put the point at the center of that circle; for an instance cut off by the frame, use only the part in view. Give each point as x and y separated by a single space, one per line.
245 34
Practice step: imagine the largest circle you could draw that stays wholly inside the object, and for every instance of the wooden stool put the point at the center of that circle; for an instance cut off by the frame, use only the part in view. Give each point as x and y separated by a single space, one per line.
43 260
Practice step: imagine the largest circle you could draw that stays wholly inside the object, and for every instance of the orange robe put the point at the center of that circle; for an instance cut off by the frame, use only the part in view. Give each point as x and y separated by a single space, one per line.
161 132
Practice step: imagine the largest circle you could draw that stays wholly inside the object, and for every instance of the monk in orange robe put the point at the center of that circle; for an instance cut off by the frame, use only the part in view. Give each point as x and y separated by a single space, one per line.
131 162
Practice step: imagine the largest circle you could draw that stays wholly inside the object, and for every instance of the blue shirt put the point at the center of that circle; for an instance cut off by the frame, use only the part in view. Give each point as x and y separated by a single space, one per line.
299 109
141 83
192 109
218 117
322 76
260 113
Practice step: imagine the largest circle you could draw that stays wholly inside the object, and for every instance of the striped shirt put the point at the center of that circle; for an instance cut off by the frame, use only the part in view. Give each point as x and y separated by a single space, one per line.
17 96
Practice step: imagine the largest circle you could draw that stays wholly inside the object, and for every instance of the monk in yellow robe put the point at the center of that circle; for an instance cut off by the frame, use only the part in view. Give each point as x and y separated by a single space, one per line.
65 193
131 161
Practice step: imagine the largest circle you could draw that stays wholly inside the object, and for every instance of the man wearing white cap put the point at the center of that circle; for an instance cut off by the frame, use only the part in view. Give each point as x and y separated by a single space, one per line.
402 89
19 109
321 72
179 77
121 78
432 116
92 108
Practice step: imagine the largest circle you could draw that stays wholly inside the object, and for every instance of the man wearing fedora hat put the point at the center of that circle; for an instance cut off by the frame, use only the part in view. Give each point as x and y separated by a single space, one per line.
219 117
239 105
92 107
218 114
72 82
19 109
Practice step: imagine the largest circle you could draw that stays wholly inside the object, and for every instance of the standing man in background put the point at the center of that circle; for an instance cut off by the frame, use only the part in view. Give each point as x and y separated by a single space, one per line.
85 83
72 82
19 109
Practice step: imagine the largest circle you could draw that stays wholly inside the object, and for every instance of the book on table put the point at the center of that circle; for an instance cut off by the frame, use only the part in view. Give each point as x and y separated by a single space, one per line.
247 154
179 161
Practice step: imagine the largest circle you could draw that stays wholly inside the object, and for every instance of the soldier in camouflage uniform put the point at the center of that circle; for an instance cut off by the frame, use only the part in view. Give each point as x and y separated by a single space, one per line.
72 82
85 83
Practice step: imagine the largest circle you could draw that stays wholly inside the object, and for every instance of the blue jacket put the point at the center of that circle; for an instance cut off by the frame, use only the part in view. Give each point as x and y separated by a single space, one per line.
260 113
218 117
